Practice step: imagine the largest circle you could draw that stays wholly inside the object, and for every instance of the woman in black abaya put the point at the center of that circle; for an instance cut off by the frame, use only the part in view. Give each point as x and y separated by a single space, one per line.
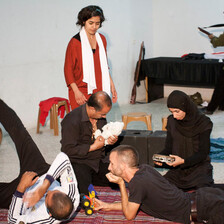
188 141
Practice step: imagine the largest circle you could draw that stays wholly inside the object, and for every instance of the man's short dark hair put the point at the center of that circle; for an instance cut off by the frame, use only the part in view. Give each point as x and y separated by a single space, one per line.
128 154
89 12
98 100
61 206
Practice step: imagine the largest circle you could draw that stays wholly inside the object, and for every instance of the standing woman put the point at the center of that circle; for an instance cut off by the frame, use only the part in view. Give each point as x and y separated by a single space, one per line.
86 68
188 141
217 100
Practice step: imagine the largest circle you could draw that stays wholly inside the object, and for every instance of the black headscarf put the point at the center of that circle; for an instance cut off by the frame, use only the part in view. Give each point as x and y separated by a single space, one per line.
194 121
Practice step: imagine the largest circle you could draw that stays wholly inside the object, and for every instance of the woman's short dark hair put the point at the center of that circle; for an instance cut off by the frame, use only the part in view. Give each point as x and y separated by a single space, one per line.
88 12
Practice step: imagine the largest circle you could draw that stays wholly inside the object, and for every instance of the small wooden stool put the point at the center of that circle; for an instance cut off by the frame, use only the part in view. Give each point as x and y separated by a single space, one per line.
164 123
0 135
137 116
53 116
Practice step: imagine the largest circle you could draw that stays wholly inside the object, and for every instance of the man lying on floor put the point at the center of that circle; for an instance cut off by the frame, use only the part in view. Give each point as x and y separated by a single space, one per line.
154 195
36 199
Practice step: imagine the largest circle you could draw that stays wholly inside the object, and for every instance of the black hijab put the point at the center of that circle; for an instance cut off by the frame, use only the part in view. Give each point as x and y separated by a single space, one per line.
194 121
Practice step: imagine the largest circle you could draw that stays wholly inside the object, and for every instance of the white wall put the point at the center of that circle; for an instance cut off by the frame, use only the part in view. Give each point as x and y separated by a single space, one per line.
33 40
35 34
175 31
175 25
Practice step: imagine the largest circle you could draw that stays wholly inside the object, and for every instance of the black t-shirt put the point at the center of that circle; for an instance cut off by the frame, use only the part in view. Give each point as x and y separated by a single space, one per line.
157 197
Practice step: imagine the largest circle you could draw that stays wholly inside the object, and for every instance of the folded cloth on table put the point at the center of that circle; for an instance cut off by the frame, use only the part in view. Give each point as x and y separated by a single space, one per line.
193 56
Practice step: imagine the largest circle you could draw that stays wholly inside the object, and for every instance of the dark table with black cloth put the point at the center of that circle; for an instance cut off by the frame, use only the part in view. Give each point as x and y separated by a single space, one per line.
177 71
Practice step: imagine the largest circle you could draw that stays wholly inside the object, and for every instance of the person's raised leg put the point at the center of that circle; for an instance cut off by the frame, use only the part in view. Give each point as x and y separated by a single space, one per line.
217 96
6 192
29 155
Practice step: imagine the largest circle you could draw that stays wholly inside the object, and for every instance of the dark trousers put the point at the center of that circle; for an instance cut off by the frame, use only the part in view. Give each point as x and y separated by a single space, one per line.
210 205
217 99
86 175
29 155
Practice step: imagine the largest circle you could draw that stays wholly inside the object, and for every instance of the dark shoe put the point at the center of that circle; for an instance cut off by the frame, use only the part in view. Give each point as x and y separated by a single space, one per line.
205 111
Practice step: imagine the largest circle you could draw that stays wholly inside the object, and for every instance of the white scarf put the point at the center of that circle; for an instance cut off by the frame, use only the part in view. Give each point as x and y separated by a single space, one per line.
88 63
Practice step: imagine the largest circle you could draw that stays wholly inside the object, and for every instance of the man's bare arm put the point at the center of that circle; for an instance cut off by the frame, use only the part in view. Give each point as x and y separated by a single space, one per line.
129 209
31 198
28 179
100 205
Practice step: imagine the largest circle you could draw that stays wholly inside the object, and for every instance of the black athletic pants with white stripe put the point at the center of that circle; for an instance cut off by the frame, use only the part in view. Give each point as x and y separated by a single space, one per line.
29 155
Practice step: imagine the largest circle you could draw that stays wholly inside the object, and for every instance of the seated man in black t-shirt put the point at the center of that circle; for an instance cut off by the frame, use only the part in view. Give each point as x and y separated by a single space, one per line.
153 194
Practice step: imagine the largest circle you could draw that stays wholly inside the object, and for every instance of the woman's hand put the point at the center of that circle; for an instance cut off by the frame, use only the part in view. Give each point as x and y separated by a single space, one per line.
79 97
114 95
178 161
158 163
113 91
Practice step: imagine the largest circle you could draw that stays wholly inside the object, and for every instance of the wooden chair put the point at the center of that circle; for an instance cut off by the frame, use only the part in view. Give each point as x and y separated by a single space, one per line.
137 116
53 116
164 123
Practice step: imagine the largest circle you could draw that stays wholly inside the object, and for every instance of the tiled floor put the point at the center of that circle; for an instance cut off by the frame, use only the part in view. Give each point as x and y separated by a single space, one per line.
49 144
